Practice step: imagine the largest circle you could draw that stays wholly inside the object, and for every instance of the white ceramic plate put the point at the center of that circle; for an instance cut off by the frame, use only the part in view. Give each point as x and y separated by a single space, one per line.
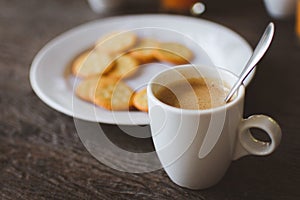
222 46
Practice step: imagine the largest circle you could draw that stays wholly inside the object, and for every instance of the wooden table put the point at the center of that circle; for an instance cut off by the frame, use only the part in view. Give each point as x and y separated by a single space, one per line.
41 156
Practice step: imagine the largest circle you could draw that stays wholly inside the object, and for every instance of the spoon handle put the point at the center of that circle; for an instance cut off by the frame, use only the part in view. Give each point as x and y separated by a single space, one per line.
258 53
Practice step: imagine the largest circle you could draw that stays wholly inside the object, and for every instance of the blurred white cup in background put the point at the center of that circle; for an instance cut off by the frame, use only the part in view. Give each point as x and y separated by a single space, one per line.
102 6
280 8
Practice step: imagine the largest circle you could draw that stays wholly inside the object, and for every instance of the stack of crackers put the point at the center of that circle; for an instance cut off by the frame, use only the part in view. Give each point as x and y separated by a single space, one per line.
116 56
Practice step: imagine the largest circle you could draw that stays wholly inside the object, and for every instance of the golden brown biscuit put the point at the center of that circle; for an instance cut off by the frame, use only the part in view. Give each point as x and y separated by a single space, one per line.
86 88
174 53
116 42
140 100
125 66
113 94
92 63
143 52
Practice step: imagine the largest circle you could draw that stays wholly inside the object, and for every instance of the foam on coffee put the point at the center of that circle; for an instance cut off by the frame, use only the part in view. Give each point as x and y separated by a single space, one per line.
194 93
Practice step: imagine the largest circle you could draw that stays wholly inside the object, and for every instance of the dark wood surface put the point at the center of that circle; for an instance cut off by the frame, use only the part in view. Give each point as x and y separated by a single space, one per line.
41 156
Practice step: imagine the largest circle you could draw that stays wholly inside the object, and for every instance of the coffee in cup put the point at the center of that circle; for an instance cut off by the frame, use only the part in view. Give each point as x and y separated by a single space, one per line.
194 93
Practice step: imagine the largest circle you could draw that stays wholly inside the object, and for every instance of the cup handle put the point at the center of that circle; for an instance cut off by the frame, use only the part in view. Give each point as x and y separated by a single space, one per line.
246 144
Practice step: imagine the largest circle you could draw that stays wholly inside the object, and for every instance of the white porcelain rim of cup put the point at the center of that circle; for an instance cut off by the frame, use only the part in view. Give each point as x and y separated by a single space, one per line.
239 94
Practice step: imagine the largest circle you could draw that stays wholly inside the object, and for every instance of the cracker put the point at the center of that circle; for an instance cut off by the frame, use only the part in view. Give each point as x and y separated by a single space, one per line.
140 100
143 52
92 63
116 42
112 94
125 66
86 88
174 53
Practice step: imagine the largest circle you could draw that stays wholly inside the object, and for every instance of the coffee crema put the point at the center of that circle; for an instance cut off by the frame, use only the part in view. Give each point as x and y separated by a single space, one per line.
194 93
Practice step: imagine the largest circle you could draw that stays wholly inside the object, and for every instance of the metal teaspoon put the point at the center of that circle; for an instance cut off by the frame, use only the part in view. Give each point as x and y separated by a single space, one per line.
258 53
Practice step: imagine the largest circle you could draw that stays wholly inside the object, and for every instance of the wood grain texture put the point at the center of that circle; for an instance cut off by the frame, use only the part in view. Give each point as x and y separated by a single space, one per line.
41 156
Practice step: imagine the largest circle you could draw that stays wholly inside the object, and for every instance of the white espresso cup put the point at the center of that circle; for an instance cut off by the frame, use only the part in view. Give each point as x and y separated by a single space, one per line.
196 147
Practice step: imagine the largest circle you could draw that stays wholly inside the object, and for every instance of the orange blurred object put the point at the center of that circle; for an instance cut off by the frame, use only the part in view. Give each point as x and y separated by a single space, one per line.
178 5
298 19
